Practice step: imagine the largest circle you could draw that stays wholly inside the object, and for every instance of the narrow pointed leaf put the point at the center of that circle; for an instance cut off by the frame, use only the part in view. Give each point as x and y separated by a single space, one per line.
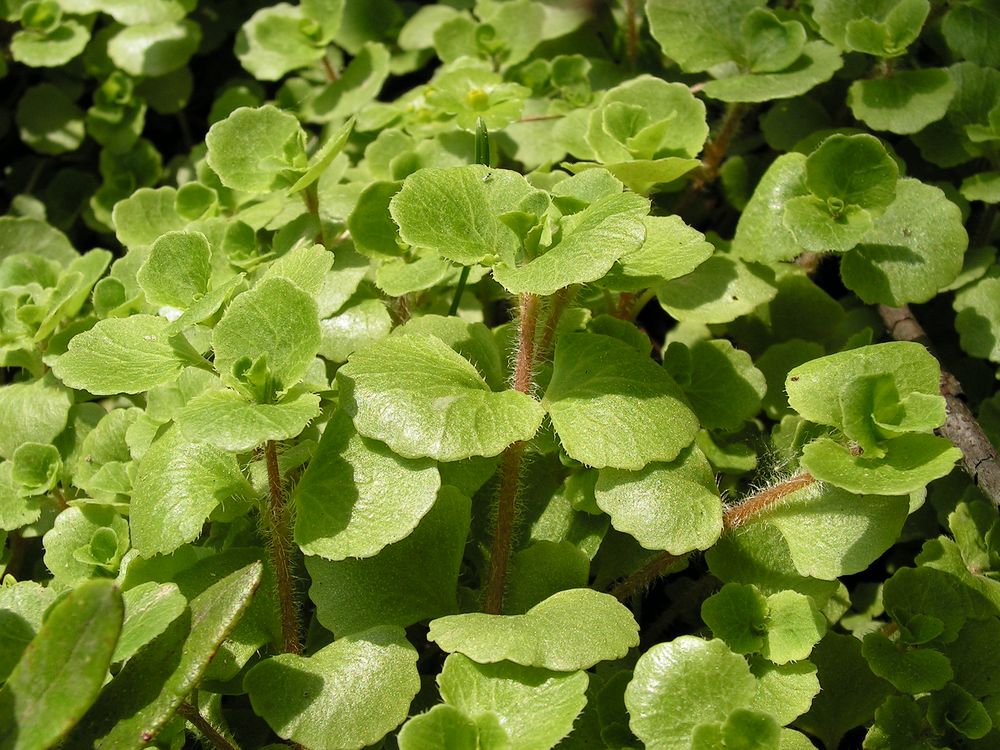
144 695
61 672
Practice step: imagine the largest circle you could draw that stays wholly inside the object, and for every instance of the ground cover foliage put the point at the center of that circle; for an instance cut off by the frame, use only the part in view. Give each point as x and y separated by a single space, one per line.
501 374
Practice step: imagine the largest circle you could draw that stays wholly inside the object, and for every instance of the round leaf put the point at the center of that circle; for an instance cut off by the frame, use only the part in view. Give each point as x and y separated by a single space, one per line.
303 697
684 683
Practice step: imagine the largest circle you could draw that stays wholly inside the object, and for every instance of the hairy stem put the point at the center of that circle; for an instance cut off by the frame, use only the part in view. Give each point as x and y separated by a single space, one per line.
715 151
209 732
557 306
736 516
510 465
979 457
280 546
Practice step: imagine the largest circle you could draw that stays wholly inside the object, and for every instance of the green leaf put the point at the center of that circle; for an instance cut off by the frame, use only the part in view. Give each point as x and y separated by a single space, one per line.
647 118
370 224
738 615
205 306
227 421
855 169
913 671
592 240
51 48
356 594
154 49
954 709
400 276
909 464
831 533
474 341
301 698
547 636
684 683
305 266
697 36
984 187
899 722
905 102
950 141
419 397
32 412
177 270
771 44
542 569
721 384
276 41
149 609
913 250
70 543
121 355
720 290
785 691
640 175
915 595
49 121
358 85
884 29
671 250
257 150
276 324
62 670
783 627
22 607
912 369
179 483
761 234
530 708
817 64
794 626
18 233
36 467
446 727
321 160
455 211
357 496
146 215
353 329
969 31
849 692
598 380
139 701
978 308
674 507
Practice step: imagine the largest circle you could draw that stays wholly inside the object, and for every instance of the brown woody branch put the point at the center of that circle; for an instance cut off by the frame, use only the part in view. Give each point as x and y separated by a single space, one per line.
979 457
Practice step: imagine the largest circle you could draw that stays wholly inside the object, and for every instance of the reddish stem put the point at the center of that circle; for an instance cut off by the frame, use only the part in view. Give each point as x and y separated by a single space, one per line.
738 515
510 465
280 548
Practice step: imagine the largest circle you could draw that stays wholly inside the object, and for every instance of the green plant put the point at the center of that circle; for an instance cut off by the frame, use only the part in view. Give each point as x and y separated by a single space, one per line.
501 374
